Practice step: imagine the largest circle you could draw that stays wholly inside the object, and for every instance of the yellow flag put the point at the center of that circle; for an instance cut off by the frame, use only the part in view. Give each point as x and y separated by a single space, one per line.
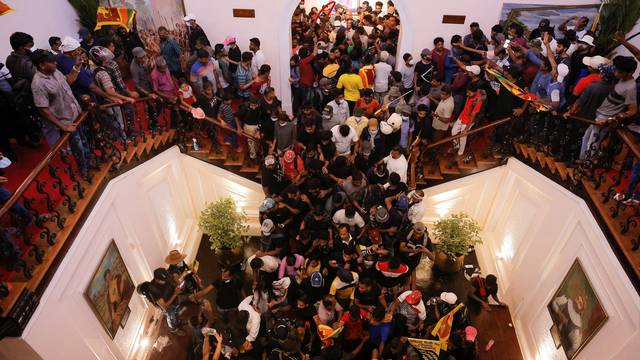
429 349
443 327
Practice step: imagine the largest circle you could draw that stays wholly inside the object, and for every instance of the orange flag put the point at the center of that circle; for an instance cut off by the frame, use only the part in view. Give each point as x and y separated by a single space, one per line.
4 8
114 16
443 327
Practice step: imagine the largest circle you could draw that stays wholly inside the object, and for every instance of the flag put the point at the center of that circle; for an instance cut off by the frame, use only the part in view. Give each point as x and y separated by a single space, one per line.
429 349
4 8
327 9
114 16
443 327
519 92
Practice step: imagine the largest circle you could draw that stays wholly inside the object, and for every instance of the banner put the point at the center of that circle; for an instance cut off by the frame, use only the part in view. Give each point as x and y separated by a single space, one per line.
429 349
517 91
4 8
443 327
114 16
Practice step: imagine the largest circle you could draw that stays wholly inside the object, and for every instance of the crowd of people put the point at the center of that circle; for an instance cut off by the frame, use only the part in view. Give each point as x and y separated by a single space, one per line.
341 224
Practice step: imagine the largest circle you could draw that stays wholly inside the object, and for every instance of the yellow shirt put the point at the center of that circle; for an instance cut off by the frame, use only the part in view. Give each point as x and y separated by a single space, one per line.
357 126
352 84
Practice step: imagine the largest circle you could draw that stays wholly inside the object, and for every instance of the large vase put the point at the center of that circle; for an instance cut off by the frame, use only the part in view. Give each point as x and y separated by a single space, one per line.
445 264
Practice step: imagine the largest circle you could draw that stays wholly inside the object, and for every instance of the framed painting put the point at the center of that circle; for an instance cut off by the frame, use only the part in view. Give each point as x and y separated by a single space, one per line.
150 15
110 290
576 311
529 15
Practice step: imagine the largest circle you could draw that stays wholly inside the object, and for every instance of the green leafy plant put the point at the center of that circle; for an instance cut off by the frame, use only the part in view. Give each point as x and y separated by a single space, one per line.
224 224
86 10
616 15
456 233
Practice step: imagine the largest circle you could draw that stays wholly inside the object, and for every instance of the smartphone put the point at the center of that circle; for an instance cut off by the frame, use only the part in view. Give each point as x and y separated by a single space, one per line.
209 331
506 43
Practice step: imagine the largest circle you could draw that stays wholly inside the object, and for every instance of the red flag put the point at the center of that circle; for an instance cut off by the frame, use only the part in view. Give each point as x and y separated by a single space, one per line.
114 16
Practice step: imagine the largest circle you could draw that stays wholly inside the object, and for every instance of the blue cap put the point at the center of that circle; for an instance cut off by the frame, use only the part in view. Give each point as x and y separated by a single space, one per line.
403 202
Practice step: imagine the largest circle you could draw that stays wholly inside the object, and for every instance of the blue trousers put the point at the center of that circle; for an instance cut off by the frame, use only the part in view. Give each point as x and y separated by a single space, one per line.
17 208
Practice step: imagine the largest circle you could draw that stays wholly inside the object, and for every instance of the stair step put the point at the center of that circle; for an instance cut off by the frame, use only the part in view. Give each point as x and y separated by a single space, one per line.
571 172
140 149
165 137
234 159
131 151
551 163
221 154
431 170
470 165
541 157
157 141
562 170
449 166
247 168
205 148
485 158
172 134
532 153
149 144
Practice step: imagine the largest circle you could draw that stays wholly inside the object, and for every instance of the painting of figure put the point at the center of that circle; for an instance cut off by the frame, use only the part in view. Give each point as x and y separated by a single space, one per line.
110 290
576 311
530 16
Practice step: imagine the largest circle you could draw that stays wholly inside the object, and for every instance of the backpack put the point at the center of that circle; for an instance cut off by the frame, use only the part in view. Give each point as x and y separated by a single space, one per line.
316 280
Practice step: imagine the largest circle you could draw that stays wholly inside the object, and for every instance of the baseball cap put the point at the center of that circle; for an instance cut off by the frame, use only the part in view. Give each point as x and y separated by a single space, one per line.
470 333
267 204
269 160
4 162
587 39
449 297
594 61
189 17
382 215
69 44
474 69
345 275
384 56
138 52
425 52
330 70
229 40
403 202
414 298
563 70
316 280
419 227
267 227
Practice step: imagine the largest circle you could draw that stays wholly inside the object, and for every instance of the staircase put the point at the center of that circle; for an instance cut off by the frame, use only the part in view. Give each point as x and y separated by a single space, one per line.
226 157
47 239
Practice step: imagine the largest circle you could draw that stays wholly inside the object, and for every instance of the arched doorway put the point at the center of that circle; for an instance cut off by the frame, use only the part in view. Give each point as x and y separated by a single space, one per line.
404 43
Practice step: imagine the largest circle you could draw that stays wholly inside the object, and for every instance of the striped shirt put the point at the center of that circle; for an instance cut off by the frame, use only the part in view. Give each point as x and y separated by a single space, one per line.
243 76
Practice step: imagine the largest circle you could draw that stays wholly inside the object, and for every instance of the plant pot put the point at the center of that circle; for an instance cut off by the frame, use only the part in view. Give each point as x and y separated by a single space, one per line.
230 258
445 264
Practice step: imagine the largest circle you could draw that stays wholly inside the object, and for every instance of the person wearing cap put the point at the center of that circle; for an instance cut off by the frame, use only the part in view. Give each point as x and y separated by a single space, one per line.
55 102
292 165
178 267
424 70
70 62
234 55
542 25
620 104
162 83
416 243
343 287
410 304
584 47
195 32
272 177
593 64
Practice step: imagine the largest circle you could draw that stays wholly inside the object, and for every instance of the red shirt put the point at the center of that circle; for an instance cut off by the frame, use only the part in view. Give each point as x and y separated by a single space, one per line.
585 82
307 76
470 107
439 59
353 328
370 108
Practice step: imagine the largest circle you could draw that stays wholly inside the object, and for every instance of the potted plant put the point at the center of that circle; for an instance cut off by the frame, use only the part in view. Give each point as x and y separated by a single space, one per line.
225 226
454 235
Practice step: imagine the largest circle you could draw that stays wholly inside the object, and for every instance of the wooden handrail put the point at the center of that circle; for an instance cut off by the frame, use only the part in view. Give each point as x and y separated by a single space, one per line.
222 125
630 140
41 165
581 119
111 105
472 131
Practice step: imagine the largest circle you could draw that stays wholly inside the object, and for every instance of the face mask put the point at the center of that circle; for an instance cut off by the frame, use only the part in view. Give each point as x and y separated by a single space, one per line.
405 118
27 51
326 117
274 119
373 132
338 101
282 123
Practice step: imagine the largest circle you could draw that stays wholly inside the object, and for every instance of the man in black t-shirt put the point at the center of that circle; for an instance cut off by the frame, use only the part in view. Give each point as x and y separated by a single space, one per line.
229 292
424 71
250 115
273 179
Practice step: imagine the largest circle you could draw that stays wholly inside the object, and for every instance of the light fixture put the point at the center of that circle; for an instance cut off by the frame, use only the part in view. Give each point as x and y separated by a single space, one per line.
145 342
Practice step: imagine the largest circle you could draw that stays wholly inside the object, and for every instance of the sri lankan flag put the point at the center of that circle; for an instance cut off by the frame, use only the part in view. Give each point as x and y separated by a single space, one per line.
443 327
114 16
429 349
517 91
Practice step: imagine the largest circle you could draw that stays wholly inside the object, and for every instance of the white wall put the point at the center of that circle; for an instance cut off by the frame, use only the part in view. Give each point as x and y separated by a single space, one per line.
39 18
148 211
533 230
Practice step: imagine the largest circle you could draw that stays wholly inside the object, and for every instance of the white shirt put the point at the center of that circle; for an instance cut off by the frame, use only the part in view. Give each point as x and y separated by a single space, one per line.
398 166
340 218
383 70
407 74
269 263
253 324
422 312
257 61
552 44
416 212
340 111
343 143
